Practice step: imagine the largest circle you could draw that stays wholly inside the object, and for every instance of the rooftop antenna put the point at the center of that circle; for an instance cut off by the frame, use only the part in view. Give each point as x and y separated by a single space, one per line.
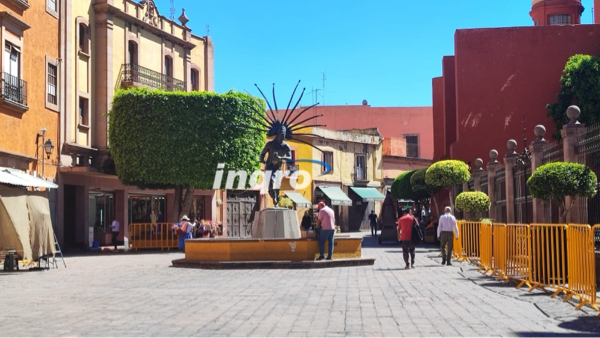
172 10
207 30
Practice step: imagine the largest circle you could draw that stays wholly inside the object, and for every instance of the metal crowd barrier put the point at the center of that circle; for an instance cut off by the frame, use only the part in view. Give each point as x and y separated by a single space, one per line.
548 250
469 238
581 263
556 256
499 251
153 236
485 247
517 254
457 248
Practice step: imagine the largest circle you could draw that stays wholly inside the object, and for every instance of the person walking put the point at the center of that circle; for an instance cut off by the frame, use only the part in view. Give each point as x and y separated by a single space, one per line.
405 225
373 221
447 228
327 223
115 232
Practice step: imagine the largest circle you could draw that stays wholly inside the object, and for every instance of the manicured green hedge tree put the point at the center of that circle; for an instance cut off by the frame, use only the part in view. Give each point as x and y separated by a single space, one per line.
401 188
473 202
579 85
424 191
164 140
557 180
447 174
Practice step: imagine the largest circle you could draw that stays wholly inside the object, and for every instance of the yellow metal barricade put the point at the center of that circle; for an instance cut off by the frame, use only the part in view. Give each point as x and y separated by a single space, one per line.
485 247
517 254
469 236
457 248
548 248
499 248
153 236
581 264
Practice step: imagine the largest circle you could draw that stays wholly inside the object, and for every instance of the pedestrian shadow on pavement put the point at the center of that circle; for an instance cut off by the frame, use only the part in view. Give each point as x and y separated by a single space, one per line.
549 334
583 324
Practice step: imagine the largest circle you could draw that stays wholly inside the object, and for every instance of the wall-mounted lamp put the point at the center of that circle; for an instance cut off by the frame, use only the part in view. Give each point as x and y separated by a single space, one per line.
47 145
219 202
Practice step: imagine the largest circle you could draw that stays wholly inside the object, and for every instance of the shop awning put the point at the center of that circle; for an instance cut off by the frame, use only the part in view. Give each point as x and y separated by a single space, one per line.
298 199
368 194
336 195
20 178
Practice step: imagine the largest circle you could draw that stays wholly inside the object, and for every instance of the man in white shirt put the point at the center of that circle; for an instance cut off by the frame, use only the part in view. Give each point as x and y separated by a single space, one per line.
115 233
447 228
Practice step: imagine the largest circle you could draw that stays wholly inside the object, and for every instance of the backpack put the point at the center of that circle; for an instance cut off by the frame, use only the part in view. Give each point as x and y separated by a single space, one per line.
416 235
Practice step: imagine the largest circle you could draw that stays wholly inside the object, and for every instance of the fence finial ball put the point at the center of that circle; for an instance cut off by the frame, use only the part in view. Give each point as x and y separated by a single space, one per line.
478 163
573 113
511 145
493 156
539 131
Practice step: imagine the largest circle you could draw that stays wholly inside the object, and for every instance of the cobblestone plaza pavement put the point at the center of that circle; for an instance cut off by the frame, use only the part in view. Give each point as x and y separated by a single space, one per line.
139 294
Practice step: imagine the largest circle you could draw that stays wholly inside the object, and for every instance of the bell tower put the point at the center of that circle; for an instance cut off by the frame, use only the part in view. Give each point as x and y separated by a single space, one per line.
556 12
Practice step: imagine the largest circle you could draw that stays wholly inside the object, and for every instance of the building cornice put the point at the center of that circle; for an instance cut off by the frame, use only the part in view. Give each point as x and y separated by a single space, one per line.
150 28
4 153
22 4
407 159
10 18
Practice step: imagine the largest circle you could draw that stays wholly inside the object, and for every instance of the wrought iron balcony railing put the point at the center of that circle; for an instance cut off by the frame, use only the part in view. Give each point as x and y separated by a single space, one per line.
135 75
14 89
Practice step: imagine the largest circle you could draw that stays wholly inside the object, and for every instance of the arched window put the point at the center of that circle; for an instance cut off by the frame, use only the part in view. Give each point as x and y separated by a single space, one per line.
133 53
84 40
195 79
168 66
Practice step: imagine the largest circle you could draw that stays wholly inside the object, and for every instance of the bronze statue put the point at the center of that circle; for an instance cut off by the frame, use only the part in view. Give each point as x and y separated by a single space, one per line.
281 128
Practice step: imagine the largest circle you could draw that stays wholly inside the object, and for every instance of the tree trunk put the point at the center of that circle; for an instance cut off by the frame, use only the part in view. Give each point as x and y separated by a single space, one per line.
451 199
177 204
437 209
187 201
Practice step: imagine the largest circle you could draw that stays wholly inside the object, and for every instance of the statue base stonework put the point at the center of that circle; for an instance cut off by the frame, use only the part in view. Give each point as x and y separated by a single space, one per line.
276 223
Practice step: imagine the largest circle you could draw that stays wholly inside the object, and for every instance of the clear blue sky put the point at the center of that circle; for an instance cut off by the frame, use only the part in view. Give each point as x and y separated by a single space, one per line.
383 51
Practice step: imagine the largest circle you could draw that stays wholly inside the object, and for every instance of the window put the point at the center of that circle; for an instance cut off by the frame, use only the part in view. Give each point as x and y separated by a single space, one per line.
361 167
52 7
412 145
12 60
560 19
132 48
168 66
52 72
327 158
83 39
195 77
83 111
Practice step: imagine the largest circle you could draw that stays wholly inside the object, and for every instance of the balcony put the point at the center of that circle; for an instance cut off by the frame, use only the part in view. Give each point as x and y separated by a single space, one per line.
22 4
14 93
133 75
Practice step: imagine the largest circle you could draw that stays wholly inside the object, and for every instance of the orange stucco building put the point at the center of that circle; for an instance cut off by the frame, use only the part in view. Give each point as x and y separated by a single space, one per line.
28 97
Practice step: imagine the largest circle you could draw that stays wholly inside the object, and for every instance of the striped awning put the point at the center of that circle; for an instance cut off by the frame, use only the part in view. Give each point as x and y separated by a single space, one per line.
298 199
368 194
22 179
336 195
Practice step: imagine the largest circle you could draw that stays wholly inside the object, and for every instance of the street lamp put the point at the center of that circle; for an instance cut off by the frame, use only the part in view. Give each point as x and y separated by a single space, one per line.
47 145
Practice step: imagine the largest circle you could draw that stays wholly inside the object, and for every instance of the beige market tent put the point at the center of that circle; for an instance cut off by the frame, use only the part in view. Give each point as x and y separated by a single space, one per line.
25 224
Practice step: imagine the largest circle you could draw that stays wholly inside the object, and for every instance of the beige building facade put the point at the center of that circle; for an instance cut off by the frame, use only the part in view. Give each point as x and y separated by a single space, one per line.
107 45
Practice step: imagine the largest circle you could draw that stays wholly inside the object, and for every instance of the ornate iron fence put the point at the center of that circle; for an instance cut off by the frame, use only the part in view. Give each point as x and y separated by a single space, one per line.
500 192
588 153
483 187
553 152
523 200
135 74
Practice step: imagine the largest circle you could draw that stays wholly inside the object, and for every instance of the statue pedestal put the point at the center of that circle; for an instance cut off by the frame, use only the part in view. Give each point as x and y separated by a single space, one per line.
276 223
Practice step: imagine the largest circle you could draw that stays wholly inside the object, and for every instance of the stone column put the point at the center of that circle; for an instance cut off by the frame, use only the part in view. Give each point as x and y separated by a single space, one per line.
570 134
477 173
509 162
536 148
492 166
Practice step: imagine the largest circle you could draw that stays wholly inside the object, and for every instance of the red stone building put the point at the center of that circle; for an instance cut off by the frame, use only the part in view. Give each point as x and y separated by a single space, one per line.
499 76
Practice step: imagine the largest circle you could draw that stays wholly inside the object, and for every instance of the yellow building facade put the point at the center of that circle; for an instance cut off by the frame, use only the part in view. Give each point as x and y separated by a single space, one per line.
112 44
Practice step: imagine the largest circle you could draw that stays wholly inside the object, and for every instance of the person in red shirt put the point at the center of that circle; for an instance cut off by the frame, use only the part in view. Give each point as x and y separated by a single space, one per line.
405 224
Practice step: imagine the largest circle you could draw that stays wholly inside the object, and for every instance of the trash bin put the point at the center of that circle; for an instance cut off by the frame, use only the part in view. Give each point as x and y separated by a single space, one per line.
11 261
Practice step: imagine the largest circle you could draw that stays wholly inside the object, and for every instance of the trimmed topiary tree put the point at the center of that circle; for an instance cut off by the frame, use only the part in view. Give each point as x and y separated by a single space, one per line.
424 191
473 202
553 182
174 140
447 174
401 188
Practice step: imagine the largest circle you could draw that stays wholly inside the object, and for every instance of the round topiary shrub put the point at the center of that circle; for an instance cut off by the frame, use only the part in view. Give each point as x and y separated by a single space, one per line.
401 188
447 173
472 201
557 180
